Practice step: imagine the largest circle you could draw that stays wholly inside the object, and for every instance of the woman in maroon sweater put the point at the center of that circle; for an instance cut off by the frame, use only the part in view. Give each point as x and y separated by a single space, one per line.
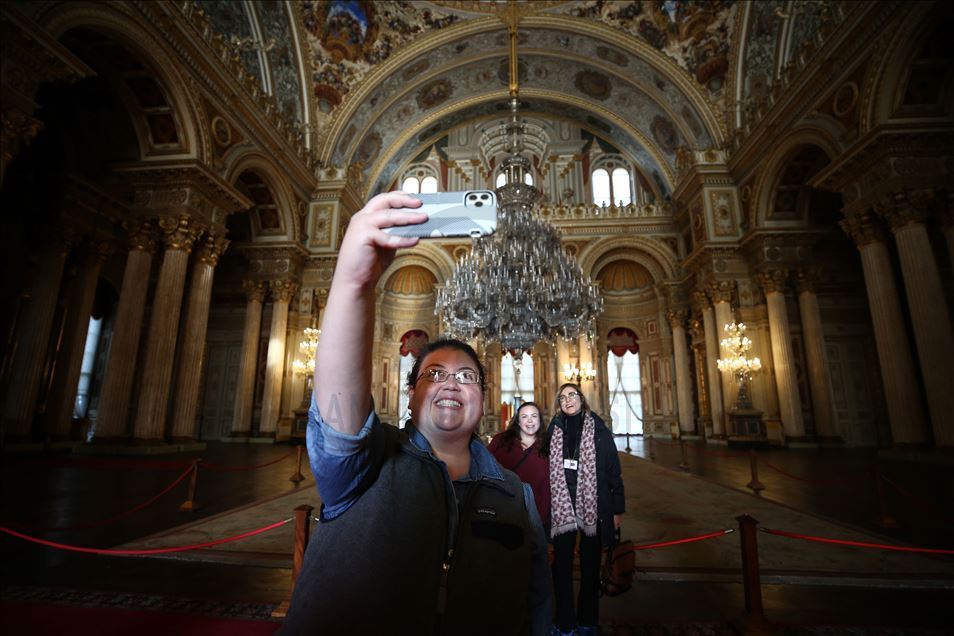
521 449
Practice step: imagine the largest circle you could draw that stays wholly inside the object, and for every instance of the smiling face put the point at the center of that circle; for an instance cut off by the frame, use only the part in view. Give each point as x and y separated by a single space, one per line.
446 411
570 400
528 418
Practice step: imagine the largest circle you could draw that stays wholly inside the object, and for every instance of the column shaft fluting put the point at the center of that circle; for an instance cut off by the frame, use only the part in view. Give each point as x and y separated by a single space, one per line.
190 366
713 373
113 413
817 360
282 292
932 326
163 332
723 317
894 352
245 387
32 340
70 359
789 402
683 378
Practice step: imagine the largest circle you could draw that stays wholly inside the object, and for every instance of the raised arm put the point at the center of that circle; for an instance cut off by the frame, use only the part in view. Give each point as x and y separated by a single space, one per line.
343 367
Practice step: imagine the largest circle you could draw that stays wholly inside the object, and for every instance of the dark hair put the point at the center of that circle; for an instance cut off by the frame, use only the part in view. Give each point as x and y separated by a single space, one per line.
584 406
512 433
445 343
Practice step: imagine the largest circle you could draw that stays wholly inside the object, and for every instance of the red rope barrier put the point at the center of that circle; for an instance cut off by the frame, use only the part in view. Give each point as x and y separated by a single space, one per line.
73 548
223 468
843 480
701 537
95 524
857 544
918 501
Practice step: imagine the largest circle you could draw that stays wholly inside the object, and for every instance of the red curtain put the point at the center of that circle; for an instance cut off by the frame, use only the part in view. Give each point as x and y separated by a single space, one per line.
413 342
620 340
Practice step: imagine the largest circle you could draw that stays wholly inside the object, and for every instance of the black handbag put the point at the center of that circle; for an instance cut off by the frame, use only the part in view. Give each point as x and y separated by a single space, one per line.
616 575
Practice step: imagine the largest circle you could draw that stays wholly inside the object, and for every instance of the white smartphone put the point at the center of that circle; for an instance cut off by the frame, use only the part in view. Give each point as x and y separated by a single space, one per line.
470 213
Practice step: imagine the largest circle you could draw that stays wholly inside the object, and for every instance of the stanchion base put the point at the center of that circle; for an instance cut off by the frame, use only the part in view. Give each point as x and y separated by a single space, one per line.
282 610
189 506
755 485
297 477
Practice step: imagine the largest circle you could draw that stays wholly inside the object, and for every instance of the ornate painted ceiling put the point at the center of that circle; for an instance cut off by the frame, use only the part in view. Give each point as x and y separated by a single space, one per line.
385 78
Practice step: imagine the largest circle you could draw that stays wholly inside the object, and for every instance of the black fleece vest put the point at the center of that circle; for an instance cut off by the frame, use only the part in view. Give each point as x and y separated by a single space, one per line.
379 568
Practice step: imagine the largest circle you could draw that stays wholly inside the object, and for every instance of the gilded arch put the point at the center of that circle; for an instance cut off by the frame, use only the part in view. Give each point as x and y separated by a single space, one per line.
287 204
655 256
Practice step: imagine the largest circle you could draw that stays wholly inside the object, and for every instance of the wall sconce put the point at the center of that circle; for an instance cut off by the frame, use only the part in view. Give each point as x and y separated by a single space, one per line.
579 375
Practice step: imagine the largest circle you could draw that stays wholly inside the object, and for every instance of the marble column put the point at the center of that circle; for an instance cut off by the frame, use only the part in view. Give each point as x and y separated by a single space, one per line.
677 321
69 363
899 380
723 295
933 332
190 366
282 293
41 292
245 387
783 358
179 234
819 380
716 406
112 415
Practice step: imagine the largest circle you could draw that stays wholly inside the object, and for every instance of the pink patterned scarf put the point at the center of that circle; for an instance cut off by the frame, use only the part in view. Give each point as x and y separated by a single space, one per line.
563 517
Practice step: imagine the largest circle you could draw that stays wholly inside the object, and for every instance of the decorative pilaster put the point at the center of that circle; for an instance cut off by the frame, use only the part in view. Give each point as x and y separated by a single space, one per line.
245 387
112 415
789 403
677 321
179 234
818 373
907 213
282 293
191 363
723 294
70 359
894 352
40 293
712 369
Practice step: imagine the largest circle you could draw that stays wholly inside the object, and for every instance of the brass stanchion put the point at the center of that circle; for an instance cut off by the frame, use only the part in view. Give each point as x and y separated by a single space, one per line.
685 456
652 449
754 483
297 477
885 520
190 504
302 532
751 578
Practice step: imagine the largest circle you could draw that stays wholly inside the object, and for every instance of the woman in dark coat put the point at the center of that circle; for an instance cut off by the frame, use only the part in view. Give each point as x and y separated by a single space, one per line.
586 500
521 449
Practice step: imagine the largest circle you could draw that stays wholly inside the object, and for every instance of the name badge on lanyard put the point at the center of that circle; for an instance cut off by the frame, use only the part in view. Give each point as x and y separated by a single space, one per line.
570 464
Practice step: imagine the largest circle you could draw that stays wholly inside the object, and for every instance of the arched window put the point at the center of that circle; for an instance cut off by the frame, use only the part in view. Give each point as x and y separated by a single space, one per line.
516 384
625 389
429 184
612 181
502 179
411 185
420 177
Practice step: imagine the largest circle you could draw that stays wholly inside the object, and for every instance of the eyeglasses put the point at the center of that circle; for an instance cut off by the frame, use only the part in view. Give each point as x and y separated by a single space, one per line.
566 397
439 376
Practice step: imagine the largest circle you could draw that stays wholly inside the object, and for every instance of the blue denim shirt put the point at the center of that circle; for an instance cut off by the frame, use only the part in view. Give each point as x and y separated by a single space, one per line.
339 462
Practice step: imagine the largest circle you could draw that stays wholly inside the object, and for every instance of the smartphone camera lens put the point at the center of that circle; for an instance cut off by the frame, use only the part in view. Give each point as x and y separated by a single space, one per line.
472 197
484 197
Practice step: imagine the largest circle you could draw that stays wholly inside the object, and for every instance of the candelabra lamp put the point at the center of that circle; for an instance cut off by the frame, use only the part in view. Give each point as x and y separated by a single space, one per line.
305 366
747 428
586 373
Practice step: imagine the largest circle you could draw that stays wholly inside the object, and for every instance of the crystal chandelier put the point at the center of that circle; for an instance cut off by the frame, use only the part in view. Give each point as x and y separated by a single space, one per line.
736 346
517 286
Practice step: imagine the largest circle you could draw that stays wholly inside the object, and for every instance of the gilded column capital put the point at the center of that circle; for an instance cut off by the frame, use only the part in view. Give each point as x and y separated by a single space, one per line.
255 290
806 279
211 249
722 291
100 250
699 300
179 233
677 317
141 235
282 290
906 207
863 227
773 280
696 327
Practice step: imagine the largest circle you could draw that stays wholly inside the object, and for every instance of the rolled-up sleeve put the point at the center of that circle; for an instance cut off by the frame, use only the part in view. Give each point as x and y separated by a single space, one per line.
339 461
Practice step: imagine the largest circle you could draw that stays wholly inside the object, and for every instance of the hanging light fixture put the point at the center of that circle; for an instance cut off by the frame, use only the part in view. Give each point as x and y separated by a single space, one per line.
518 286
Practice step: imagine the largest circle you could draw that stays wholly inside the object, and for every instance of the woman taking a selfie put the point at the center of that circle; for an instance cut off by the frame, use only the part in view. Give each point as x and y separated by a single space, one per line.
520 448
586 499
